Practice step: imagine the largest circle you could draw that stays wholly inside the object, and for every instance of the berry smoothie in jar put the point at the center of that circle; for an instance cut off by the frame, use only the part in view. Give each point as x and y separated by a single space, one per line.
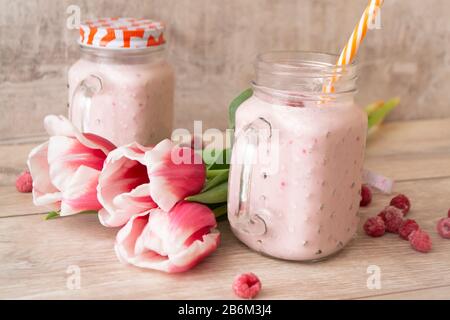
122 87
297 159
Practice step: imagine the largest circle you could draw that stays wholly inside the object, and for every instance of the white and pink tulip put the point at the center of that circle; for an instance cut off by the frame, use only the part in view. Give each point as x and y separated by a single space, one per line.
173 241
123 186
65 169
136 179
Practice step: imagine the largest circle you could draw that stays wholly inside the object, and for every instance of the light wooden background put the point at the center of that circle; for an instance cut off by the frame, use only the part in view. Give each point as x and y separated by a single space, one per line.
35 254
213 44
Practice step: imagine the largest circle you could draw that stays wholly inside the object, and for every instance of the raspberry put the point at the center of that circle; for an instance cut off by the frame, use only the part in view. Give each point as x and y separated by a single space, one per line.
407 227
246 285
420 241
401 202
392 217
374 227
24 182
387 209
366 196
443 228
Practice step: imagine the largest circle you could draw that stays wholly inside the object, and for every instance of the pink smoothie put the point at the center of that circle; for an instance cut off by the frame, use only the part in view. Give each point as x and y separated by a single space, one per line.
310 204
134 104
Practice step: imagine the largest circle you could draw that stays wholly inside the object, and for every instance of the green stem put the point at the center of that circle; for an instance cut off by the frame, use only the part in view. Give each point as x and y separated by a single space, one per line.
217 194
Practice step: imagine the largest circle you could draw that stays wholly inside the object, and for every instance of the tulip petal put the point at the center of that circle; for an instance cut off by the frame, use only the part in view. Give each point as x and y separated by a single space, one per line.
66 155
172 242
175 173
126 205
61 126
128 235
195 253
81 194
44 192
123 187
138 200
187 219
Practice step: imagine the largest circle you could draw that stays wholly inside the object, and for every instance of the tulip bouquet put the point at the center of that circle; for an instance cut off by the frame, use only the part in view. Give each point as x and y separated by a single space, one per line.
142 190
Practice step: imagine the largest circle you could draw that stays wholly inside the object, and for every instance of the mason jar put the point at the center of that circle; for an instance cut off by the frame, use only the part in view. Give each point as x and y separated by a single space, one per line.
297 159
122 87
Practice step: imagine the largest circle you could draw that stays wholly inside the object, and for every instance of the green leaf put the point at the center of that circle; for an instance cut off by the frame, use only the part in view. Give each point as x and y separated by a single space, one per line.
52 215
216 180
220 211
235 104
88 212
209 156
211 174
378 111
217 194
56 214
220 160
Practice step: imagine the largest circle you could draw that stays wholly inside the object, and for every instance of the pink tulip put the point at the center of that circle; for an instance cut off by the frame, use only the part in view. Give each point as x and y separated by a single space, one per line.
123 187
136 179
173 241
65 169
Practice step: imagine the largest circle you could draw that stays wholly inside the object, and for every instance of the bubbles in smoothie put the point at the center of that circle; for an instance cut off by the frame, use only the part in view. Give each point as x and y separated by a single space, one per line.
263 201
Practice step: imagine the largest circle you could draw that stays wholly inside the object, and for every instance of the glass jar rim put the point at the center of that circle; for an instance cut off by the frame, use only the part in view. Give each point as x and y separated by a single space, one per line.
309 64
123 56
303 75
120 51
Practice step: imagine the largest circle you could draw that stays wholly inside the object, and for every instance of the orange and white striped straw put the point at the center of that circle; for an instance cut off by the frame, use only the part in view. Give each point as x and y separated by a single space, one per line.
351 48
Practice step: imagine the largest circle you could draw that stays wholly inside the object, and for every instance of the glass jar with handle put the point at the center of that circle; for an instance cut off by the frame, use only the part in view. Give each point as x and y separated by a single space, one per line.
122 87
296 167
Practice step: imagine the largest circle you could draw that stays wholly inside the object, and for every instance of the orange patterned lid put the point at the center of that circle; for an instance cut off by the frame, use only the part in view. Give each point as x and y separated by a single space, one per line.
121 33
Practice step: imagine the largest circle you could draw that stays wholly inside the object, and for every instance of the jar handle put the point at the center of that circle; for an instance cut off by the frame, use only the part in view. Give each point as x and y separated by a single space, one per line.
82 101
251 137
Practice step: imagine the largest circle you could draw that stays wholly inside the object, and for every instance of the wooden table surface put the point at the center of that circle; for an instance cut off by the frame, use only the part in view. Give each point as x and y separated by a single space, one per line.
35 254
